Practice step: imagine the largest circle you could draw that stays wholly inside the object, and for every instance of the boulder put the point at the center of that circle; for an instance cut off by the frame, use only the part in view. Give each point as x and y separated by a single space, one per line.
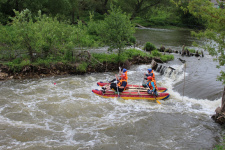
219 117
3 75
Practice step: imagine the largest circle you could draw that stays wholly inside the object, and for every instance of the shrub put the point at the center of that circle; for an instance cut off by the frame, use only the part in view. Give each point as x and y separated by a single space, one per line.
191 50
166 58
132 40
82 67
133 52
156 53
25 63
102 57
149 46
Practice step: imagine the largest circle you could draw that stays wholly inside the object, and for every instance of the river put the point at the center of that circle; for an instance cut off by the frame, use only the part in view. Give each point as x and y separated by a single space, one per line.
61 113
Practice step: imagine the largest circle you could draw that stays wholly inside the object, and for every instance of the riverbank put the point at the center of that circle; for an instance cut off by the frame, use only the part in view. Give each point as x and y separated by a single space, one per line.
89 64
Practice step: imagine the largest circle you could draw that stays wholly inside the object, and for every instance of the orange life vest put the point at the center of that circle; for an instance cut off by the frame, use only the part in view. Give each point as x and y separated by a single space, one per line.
150 86
153 75
126 77
120 83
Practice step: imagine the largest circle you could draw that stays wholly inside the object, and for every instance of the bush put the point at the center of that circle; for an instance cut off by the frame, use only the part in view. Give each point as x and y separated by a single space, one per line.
166 58
156 53
132 40
102 57
133 52
16 61
82 67
25 63
191 50
149 46
69 55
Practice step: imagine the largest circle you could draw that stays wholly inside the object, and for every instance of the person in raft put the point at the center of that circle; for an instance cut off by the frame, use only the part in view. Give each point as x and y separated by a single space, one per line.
118 87
151 84
150 73
121 72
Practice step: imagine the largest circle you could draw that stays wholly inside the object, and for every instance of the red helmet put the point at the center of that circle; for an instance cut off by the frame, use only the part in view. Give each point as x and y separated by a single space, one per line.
149 78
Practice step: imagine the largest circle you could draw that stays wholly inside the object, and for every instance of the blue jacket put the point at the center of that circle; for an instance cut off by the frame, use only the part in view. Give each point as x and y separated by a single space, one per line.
151 84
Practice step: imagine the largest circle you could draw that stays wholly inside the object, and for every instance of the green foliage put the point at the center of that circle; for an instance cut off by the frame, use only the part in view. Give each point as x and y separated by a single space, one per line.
132 40
192 50
25 62
14 67
43 62
82 67
134 52
140 8
116 30
69 55
220 146
102 57
214 35
42 36
166 58
156 53
149 46
146 13
93 29
125 55
141 21
17 64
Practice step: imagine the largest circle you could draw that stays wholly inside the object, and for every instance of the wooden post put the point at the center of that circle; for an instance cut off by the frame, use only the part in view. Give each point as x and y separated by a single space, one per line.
223 101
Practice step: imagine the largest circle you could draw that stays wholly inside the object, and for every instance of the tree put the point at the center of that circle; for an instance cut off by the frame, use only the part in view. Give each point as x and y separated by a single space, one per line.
117 29
214 35
42 36
139 7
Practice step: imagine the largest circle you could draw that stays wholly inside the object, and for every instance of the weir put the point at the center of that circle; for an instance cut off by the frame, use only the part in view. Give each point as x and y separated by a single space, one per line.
165 70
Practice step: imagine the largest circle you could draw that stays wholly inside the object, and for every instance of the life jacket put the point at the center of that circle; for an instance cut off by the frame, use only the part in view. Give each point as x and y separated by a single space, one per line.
153 75
120 83
150 86
126 77
155 84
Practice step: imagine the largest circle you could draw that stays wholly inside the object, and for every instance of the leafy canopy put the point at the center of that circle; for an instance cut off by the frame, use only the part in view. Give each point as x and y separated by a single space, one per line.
117 29
42 36
214 34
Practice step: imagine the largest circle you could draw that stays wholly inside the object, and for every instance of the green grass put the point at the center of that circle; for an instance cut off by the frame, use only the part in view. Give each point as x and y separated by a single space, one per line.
17 64
220 146
82 67
166 58
156 53
192 50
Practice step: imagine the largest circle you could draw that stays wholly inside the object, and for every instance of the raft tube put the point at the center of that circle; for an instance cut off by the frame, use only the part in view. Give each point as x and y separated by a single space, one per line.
134 87
131 95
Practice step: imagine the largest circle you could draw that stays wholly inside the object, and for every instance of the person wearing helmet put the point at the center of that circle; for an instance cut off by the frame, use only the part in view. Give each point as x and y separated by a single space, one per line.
122 83
124 71
151 84
150 73
118 87
121 72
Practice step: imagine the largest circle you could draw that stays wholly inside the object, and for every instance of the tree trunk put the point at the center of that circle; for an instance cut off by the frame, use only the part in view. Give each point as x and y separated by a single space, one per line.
223 101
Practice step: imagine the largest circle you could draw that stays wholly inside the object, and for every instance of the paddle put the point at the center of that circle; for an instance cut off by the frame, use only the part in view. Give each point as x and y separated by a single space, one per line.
117 87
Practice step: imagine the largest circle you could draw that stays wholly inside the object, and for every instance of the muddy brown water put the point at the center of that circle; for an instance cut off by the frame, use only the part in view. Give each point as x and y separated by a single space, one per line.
61 113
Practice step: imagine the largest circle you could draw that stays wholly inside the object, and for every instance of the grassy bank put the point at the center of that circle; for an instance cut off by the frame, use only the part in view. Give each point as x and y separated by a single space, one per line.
85 60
